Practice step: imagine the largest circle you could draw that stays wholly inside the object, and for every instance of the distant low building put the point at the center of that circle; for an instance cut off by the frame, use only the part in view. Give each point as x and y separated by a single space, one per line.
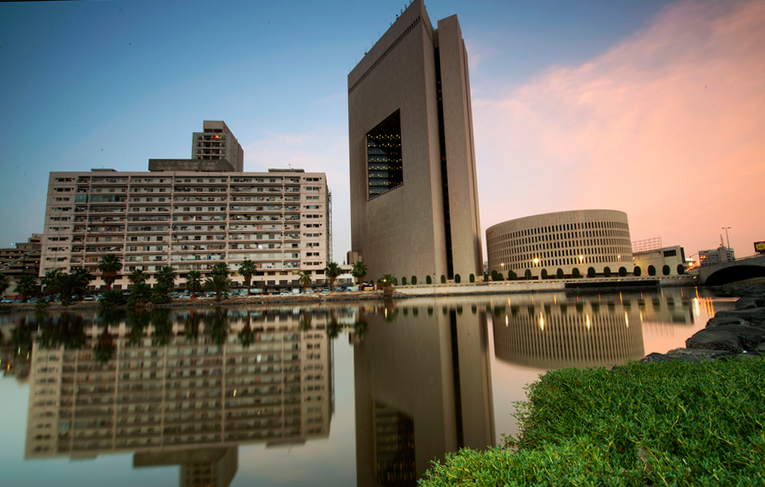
22 259
672 257
716 256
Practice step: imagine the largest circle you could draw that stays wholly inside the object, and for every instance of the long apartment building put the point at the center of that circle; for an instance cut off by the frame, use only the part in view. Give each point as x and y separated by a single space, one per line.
190 220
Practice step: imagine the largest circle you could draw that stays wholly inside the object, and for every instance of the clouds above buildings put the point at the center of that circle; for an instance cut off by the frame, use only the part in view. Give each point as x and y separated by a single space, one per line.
667 126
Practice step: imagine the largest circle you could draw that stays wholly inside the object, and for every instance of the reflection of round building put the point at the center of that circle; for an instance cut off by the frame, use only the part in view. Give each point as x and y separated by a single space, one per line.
565 240
573 339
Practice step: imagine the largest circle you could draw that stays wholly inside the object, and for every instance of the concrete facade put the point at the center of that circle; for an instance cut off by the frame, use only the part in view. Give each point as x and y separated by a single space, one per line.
425 222
566 240
190 221
658 258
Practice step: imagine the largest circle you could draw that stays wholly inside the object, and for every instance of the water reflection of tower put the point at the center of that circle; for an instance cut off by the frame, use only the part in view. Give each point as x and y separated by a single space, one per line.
423 388
550 335
188 399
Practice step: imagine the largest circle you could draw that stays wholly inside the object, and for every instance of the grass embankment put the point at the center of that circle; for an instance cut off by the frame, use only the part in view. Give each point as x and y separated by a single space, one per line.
641 424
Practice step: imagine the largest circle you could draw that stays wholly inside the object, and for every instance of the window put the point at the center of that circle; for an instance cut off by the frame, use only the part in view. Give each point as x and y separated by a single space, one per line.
384 156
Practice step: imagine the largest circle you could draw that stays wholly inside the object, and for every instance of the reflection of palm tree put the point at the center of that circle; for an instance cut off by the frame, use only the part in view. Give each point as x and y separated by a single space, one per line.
305 321
110 266
360 328
191 327
216 326
333 328
163 328
105 349
246 336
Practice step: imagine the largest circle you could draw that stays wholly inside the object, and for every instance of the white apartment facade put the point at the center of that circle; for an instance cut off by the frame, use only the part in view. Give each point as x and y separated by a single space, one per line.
189 220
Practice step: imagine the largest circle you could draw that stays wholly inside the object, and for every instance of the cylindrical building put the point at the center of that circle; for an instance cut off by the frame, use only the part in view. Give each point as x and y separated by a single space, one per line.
565 243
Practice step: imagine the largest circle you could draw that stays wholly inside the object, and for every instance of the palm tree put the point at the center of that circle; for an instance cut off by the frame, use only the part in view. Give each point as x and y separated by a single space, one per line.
4 284
194 282
359 270
68 285
305 280
218 284
27 286
220 268
48 279
110 266
332 271
247 269
138 276
165 278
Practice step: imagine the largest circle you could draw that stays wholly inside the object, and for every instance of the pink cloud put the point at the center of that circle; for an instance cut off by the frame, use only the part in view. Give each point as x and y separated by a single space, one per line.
668 126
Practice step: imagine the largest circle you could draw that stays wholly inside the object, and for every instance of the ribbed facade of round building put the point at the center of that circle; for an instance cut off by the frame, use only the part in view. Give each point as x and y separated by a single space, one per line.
565 243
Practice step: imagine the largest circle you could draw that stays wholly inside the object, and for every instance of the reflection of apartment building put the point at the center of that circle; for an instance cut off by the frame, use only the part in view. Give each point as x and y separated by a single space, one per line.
183 396
190 214
550 336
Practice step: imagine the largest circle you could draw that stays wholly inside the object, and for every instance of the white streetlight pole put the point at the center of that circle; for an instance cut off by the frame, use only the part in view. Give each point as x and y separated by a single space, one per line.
727 240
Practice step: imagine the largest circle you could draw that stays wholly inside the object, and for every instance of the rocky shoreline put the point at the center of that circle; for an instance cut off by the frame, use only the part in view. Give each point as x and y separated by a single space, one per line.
736 333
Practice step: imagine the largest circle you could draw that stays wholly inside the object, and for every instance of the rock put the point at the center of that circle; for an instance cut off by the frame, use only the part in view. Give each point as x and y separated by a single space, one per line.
755 316
726 320
659 357
731 338
701 353
747 303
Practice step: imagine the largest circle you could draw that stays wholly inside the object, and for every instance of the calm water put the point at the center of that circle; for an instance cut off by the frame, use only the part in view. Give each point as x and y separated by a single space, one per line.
347 394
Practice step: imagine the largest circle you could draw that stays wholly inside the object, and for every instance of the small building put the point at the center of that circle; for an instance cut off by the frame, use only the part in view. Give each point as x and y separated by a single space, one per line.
716 256
672 257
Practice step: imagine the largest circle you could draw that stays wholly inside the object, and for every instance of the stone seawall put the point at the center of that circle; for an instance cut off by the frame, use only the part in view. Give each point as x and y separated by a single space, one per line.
736 333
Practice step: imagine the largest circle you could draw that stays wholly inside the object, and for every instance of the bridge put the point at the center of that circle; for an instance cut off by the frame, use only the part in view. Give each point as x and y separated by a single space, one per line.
737 270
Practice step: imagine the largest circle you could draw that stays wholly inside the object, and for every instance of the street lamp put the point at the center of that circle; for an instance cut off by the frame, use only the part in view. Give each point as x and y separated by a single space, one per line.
727 240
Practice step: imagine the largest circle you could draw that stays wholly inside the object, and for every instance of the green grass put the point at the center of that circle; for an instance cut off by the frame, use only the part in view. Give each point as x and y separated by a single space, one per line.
641 424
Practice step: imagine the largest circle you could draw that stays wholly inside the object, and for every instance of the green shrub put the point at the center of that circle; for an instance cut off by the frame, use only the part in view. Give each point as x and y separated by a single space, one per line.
651 270
403 281
114 297
575 273
622 272
472 277
544 273
606 271
680 269
665 269
527 274
428 279
591 272
669 423
443 279
559 273
457 278
414 280
511 275
637 271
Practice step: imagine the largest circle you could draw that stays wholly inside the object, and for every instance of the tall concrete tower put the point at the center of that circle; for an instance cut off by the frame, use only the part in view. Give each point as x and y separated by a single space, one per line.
414 200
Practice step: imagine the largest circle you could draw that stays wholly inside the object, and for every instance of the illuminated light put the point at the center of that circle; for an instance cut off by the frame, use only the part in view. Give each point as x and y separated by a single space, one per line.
541 322
588 321
506 321
627 319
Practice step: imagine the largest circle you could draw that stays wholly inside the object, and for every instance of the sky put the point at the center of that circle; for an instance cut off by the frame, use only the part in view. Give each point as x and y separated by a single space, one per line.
655 108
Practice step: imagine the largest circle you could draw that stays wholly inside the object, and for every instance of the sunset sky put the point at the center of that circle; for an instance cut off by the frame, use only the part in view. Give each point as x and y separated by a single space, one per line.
653 108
